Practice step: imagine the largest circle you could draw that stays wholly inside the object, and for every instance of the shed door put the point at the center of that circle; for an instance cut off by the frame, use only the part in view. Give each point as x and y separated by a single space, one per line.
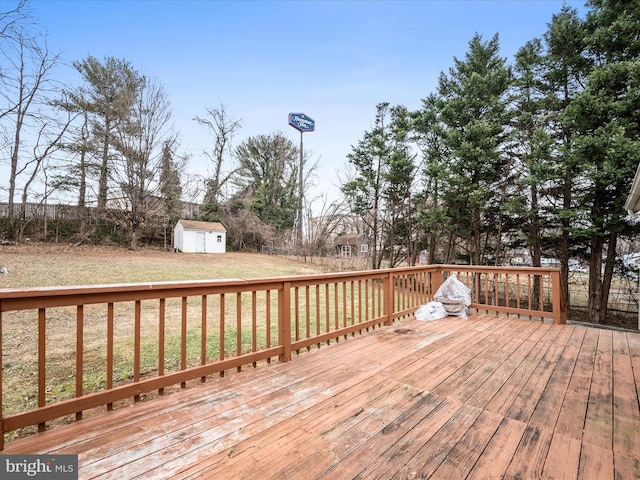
201 242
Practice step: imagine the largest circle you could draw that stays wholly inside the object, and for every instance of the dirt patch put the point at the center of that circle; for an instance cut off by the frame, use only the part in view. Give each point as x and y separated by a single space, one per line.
617 319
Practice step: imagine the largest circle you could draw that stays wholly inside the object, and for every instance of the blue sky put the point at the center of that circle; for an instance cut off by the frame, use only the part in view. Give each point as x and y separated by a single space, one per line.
333 60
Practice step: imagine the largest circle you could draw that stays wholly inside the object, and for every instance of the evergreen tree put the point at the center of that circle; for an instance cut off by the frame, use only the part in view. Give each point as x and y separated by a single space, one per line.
531 149
564 78
399 181
605 116
473 109
364 192
268 174
440 229
170 188
108 96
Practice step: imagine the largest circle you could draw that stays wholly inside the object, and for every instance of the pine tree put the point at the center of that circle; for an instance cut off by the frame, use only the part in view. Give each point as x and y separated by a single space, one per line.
268 175
399 181
170 188
108 95
364 193
473 110
566 68
605 116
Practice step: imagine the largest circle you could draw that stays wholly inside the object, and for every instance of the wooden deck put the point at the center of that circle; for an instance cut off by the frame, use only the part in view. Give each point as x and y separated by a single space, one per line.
478 398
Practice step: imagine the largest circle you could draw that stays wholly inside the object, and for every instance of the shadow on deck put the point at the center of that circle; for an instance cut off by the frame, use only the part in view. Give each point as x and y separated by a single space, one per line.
483 397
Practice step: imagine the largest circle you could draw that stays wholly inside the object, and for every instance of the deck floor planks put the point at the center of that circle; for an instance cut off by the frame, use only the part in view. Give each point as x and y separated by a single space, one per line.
520 375
498 377
438 361
626 414
345 353
633 341
224 400
434 451
235 448
548 408
498 454
464 455
436 353
335 442
598 424
528 398
263 448
529 458
352 461
441 371
387 404
495 374
563 458
475 381
472 360
595 463
626 467
275 405
398 443
574 406
189 434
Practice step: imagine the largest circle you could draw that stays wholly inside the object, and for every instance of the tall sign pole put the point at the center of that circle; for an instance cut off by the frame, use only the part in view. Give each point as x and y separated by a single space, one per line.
302 123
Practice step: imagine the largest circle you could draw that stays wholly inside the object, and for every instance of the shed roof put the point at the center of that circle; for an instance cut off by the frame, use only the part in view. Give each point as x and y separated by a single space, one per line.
199 225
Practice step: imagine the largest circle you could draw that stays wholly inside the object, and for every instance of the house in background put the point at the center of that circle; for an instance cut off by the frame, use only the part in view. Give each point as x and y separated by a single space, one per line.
192 236
633 200
352 245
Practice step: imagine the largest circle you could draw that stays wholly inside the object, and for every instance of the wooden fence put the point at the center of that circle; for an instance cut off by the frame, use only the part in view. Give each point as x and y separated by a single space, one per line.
68 350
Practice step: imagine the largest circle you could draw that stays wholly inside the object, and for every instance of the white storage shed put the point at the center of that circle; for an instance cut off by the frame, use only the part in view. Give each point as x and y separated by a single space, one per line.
193 236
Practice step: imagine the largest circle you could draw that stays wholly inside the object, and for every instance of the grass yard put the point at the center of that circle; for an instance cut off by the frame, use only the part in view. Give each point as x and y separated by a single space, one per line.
44 265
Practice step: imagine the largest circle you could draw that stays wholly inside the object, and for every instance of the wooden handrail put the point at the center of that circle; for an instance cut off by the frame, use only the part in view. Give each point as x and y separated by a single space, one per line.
234 328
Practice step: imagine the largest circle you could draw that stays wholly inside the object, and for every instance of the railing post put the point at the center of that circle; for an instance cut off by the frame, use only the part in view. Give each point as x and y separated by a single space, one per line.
559 307
284 321
42 363
436 281
389 300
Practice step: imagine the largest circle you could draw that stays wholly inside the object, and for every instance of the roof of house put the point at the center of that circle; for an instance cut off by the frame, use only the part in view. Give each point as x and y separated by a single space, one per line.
351 238
198 225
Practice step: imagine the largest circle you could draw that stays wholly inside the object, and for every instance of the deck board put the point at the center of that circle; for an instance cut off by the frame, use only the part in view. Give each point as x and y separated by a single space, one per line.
477 398
598 424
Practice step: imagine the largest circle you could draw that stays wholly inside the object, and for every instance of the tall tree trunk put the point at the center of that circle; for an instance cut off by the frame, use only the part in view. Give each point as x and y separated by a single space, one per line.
103 184
595 280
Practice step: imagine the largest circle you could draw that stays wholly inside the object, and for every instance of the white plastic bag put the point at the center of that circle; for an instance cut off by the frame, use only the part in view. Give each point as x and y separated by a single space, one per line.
430 311
454 295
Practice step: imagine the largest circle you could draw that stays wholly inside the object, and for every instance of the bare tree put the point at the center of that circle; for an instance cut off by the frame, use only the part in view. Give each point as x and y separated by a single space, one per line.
48 141
323 226
24 85
222 128
12 21
140 142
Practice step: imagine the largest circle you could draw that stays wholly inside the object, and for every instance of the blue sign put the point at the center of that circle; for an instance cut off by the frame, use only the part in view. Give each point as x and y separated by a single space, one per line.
301 122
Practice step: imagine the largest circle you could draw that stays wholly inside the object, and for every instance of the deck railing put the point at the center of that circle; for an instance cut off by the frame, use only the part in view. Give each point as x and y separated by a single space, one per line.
68 350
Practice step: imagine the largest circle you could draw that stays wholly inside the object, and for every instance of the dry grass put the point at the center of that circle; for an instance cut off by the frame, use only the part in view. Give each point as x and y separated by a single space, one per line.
38 265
